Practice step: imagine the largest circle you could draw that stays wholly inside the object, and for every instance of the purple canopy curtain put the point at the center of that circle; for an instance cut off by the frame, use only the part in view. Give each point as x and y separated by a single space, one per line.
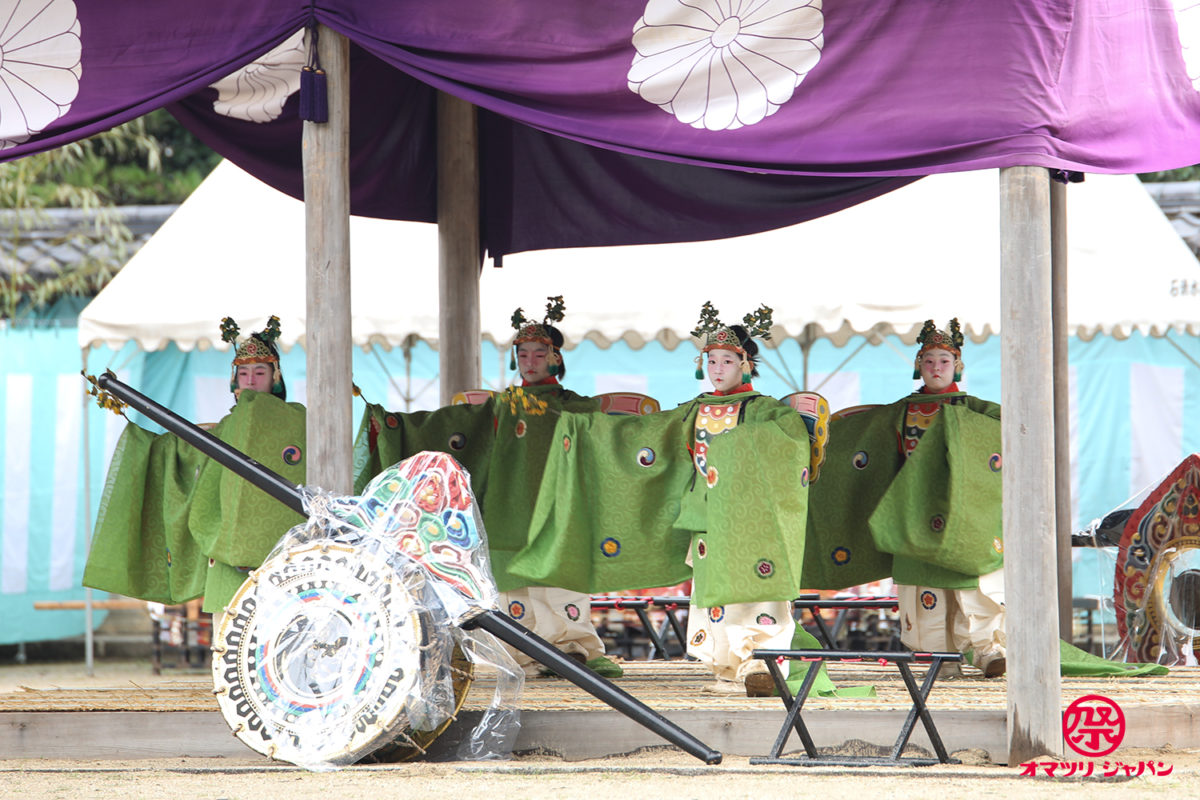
630 120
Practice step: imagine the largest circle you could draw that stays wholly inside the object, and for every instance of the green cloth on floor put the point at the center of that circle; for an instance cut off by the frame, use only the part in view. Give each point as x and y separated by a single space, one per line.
605 667
1080 663
823 685
1076 663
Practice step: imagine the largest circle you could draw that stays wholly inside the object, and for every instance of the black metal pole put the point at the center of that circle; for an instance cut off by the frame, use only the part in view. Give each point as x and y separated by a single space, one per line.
513 633
495 623
224 454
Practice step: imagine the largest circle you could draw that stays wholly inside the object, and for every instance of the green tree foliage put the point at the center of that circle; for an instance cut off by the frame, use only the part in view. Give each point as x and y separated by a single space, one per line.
1184 174
152 160
149 161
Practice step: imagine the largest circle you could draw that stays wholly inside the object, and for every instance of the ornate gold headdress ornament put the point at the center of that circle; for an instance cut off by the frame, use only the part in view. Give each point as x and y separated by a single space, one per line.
930 338
715 335
530 331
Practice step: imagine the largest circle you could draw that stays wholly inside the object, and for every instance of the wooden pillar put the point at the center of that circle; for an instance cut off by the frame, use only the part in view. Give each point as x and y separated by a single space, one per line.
1062 406
328 345
1027 433
460 253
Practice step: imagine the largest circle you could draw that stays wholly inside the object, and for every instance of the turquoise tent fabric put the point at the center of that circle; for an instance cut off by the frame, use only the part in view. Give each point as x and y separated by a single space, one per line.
43 515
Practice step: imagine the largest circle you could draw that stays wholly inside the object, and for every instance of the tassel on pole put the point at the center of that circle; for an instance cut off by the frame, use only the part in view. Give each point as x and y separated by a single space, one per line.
314 88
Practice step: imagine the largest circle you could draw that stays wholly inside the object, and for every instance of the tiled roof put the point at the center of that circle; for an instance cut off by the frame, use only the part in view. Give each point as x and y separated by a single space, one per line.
1180 201
43 244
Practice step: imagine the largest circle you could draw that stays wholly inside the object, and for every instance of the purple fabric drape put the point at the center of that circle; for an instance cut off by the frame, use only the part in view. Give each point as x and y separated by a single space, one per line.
632 120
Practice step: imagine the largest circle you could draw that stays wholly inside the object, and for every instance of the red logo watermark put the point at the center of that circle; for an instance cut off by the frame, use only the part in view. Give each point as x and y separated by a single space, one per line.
1093 725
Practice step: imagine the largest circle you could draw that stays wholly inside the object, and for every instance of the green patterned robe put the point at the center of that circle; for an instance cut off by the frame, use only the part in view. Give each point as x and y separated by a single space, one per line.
933 520
504 452
622 503
174 525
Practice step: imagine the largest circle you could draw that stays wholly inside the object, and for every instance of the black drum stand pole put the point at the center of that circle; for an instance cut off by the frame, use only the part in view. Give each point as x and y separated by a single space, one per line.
274 484
521 638
503 628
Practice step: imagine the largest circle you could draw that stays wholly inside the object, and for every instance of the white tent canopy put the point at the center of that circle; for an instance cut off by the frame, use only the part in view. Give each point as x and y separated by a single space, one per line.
929 250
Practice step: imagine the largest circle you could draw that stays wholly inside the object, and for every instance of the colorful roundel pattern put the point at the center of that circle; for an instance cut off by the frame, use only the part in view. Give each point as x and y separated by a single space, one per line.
646 457
291 455
995 462
516 609
610 547
928 600
860 459
840 556
765 568
457 441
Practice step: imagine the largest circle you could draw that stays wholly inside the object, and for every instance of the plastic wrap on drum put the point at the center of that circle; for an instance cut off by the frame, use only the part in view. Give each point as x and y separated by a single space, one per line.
346 641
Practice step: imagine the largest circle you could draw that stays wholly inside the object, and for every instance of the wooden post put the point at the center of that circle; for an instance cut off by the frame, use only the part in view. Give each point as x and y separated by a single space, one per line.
1063 523
460 253
1027 433
328 345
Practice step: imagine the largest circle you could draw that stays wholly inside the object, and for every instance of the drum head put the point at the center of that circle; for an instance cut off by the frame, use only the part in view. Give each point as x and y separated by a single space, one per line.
319 654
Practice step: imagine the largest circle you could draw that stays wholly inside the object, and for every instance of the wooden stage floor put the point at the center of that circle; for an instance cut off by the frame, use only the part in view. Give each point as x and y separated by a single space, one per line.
177 716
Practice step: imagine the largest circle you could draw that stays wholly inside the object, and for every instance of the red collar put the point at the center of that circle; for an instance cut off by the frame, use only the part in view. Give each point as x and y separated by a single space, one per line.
745 387
551 381
953 387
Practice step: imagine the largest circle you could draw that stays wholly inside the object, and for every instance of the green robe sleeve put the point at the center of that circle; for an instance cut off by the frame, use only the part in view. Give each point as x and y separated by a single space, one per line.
517 463
861 460
142 546
388 437
234 521
752 548
604 518
943 508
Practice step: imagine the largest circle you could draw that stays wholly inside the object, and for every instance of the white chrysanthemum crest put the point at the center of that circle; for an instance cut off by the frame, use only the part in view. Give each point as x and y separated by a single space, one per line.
723 64
40 66
257 91
1187 18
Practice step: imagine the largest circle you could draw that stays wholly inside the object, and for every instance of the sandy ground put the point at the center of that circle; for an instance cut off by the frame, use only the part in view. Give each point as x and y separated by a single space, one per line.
657 772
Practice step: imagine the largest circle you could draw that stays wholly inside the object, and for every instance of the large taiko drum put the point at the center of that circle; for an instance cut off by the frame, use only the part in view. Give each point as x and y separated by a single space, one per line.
327 656
1157 585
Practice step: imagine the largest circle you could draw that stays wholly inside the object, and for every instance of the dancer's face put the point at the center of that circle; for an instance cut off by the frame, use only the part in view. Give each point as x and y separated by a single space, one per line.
937 370
533 361
258 377
724 370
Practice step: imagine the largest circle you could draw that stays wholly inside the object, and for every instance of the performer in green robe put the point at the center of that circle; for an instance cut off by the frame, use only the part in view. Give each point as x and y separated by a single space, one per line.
718 484
173 524
932 512
503 444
